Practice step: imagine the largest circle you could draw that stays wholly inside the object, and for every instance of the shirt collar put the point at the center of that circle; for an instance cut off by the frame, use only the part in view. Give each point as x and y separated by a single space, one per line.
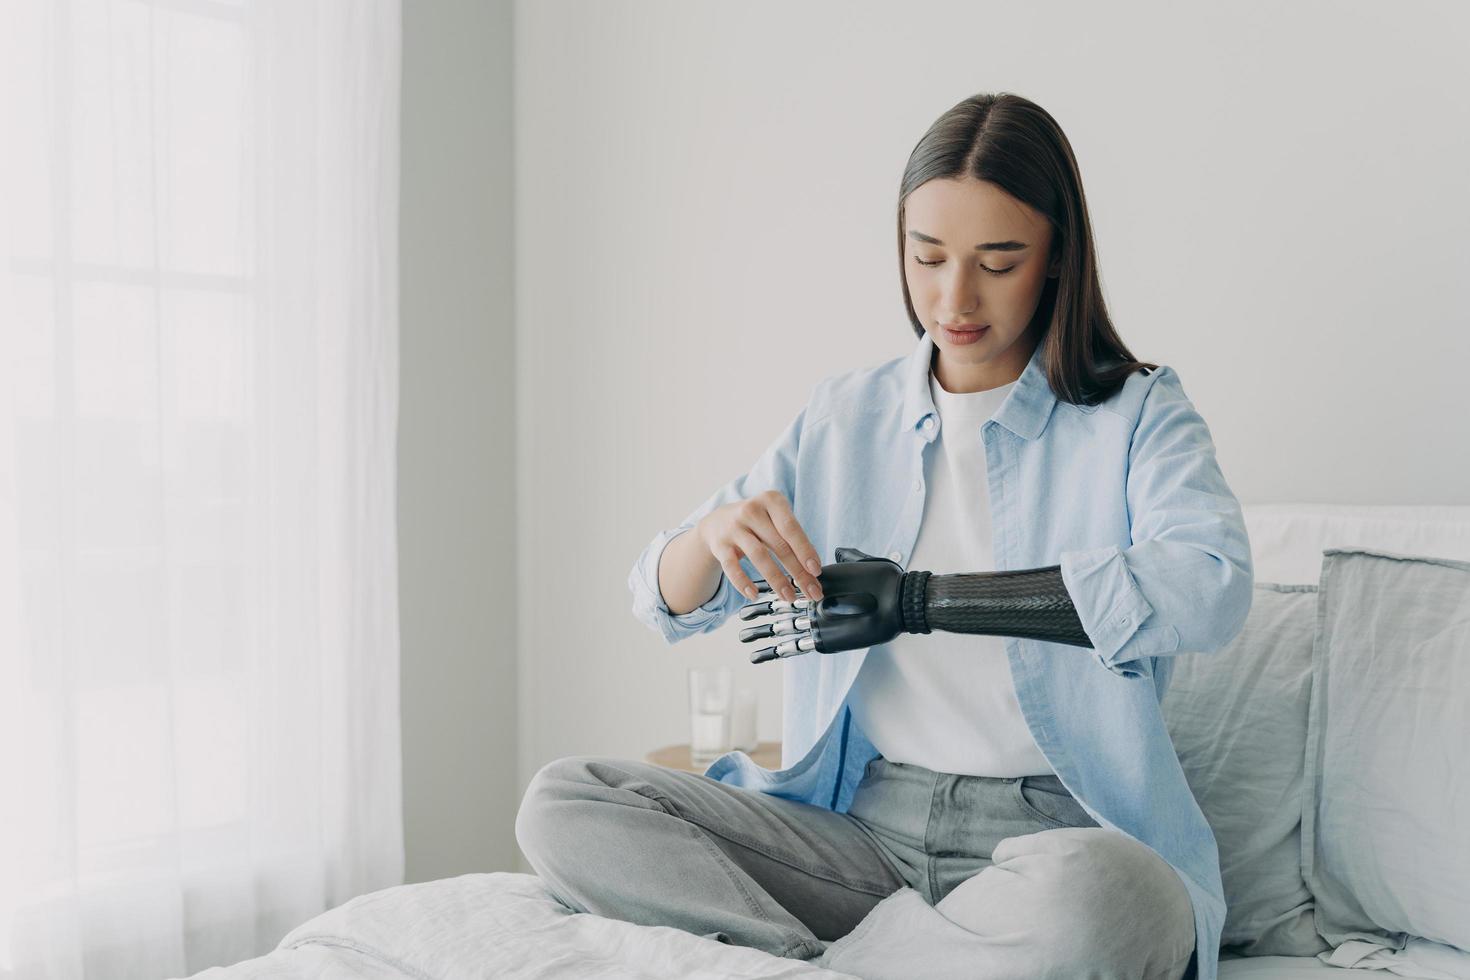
1025 411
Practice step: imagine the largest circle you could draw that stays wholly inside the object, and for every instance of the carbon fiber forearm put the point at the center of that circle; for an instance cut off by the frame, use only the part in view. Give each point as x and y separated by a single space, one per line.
1031 603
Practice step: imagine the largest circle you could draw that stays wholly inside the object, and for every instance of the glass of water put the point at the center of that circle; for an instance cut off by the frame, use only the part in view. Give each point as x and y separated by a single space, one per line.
711 705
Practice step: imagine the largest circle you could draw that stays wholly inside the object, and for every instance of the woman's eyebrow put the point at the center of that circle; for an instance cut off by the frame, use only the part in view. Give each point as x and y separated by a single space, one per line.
1010 246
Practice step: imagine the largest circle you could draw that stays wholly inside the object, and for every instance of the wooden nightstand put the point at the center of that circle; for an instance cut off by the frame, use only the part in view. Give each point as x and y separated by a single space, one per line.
766 754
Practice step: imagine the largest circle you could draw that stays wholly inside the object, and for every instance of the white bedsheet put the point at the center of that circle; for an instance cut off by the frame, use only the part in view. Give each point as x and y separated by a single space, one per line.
1420 959
496 925
1283 968
507 926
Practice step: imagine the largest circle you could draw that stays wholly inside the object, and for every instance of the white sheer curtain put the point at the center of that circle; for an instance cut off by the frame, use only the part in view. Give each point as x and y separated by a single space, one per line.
199 729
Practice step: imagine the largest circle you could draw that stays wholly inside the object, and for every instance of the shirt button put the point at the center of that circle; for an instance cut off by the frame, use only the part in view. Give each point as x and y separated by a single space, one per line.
918 486
896 556
929 423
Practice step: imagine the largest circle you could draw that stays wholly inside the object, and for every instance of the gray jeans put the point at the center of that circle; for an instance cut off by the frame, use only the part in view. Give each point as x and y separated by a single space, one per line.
928 874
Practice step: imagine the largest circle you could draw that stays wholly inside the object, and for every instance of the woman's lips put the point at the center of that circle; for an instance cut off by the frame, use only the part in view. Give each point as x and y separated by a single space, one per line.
964 336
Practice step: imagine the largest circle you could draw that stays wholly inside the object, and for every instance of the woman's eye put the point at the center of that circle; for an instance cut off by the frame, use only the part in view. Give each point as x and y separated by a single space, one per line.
993 272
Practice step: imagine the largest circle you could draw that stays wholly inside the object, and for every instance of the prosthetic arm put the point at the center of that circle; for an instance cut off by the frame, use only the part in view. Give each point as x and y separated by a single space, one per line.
868 600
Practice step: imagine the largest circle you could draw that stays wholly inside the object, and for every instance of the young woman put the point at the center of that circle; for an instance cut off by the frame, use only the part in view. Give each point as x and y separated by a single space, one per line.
949 805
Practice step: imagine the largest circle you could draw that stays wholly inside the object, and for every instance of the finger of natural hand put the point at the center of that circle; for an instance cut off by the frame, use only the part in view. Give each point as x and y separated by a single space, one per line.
729 561
778 545
783 534
760 556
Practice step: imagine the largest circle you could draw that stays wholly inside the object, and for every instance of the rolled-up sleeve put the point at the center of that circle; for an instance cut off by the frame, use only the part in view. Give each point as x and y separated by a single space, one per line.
1185 584
775 470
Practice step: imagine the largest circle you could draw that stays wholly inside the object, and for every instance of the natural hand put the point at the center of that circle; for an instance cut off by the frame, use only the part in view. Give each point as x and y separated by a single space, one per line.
861 607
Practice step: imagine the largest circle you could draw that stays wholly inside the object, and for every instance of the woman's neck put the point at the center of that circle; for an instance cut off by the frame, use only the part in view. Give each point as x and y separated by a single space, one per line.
962 379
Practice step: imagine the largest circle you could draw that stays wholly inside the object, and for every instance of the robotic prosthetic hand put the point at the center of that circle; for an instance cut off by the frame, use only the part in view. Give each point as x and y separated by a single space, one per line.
868 600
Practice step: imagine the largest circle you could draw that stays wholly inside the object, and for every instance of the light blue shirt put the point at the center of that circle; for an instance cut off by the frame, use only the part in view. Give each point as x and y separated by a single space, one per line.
1126 496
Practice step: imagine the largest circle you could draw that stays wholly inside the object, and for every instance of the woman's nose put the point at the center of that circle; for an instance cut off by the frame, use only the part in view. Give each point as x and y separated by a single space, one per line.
959 295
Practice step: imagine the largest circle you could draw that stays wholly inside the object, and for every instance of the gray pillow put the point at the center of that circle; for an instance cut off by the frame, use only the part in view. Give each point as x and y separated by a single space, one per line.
1238 719
1386 826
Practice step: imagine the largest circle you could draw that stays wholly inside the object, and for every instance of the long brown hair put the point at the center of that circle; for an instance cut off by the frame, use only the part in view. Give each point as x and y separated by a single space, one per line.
1016 145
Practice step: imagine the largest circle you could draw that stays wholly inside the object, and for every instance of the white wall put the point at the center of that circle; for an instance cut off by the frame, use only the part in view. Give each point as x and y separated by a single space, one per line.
456 494
705 196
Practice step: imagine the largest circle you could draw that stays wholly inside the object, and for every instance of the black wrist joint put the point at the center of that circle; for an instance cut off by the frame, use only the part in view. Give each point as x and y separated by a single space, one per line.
915 588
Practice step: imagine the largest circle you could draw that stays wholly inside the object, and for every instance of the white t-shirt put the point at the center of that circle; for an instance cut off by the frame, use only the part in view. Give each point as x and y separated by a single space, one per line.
945 701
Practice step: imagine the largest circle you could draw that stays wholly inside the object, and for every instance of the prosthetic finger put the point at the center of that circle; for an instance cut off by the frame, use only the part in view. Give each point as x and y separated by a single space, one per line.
757 607
790 648
792 620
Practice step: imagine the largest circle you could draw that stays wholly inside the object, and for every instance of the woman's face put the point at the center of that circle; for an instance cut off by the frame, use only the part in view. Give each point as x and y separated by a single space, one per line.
974 254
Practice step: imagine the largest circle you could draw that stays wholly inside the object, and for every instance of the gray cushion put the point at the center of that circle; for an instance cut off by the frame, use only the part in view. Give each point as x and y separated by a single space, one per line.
1386 827
1238 719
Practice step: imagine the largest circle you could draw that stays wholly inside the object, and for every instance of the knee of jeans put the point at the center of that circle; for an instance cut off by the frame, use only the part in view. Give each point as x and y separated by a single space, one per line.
539 819
1108 891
